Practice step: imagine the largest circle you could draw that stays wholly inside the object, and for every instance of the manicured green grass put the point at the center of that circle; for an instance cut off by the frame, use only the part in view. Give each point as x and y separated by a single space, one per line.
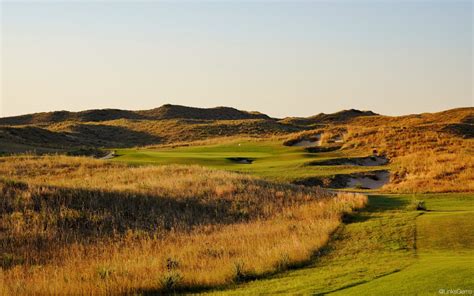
445 252
388 249
270 159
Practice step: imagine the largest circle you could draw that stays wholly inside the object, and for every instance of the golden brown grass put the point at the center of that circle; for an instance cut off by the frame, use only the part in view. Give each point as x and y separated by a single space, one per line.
153 132
426 154
79 226
424 158
433 172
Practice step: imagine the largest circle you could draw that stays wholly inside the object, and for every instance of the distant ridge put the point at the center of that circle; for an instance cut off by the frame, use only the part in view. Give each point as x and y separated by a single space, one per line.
63 130
167 111
341 116
183 112
61 116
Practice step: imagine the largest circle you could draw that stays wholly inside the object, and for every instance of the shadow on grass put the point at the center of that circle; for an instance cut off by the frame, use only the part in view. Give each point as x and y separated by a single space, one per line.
38 219
383 203
358 283
112 136
377 204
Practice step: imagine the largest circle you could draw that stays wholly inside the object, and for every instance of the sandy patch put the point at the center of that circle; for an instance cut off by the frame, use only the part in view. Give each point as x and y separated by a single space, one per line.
110 155
306 143
363 180
355 161
375 181
313 141
368 161
338 139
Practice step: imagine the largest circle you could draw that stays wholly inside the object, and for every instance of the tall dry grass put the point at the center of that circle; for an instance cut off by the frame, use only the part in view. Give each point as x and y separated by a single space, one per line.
169 131
424 158
430 152
79 226
433 172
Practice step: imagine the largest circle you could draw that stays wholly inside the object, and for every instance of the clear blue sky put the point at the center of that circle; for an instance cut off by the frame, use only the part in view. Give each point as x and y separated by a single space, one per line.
280 58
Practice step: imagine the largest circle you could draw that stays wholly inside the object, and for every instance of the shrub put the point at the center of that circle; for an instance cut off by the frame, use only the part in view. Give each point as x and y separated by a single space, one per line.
418 205
284 262
104 272
239 272
171 281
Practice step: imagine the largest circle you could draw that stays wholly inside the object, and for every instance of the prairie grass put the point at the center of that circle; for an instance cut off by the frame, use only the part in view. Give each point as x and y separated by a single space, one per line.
153 132
431 152
73 225
424 158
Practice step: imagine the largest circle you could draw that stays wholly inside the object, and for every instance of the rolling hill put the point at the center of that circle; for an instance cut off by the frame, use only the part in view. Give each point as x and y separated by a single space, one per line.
167 111
229 202
63 130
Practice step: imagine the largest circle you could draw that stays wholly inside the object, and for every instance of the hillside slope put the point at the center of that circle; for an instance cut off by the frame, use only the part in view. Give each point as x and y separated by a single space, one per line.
62 130
343 116
429 152
218 113
164 112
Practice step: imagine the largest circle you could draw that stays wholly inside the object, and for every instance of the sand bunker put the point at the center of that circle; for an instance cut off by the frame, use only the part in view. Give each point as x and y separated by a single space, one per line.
336 139
306 143
110 155
357 161
374 180
311 142
363 180
370 161
241 160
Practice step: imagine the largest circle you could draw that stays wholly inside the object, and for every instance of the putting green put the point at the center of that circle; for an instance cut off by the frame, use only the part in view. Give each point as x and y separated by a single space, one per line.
270 159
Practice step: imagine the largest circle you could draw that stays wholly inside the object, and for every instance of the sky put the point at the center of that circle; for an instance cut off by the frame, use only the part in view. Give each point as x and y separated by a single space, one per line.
281 58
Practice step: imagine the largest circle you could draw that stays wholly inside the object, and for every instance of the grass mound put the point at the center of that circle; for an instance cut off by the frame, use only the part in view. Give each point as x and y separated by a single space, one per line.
167 111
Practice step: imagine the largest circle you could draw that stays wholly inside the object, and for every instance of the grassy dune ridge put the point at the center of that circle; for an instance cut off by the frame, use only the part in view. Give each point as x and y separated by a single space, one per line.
423 158
76 225
427 152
